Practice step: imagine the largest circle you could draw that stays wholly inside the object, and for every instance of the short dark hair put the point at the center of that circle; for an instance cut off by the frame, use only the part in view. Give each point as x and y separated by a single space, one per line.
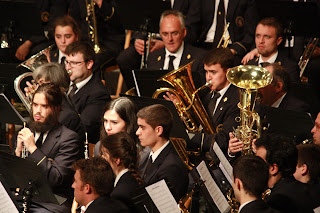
66 21
273 22
280 74
309 154
253 172
53 72
175 13
222 56
281 151
97 173
157 115
83 47
121 145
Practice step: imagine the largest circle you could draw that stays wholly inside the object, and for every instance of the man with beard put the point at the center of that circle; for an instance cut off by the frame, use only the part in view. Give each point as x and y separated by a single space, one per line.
50 145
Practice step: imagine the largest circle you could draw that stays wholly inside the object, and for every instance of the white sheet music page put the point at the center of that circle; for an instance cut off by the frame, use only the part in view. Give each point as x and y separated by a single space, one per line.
162 197
224 165
213 189
6 204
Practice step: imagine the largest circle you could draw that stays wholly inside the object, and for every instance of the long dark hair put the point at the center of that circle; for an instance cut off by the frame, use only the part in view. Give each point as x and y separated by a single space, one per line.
121 145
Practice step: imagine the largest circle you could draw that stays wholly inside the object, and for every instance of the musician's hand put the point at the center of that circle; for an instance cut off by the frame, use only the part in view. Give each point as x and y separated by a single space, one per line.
235 145
28 139
254 148
32 87
156 44
250 55
19 147
23 50
233 51
170 97
139 45
98 2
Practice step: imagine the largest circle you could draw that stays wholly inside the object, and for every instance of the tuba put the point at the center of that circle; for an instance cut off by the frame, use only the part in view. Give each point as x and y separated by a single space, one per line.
249 79
184 90
37 60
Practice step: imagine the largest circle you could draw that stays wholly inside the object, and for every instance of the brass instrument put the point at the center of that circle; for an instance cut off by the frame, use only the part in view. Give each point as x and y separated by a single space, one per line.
249 79
93 30
184 90
305 57
24 152
86 147
307 141
151 36
25 98
225 42
37 60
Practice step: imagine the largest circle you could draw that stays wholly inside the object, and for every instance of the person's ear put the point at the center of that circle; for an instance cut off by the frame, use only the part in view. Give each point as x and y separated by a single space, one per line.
89 64
279 40
117 161
238 184
273 169
304 169
159 130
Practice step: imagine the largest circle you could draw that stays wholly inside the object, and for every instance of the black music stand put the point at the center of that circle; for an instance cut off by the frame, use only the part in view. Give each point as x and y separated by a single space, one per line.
142 15
8 114
24 174
9 203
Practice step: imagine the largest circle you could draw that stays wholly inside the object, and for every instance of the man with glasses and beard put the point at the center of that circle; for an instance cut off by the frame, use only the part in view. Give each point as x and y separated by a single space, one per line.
50 145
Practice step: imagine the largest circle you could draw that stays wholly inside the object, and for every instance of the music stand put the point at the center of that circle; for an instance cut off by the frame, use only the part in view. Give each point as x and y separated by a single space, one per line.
142 15
8 203
8 114
24 174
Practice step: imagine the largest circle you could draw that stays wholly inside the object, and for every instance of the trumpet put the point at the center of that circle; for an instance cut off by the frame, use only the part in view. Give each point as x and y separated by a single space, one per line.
226 42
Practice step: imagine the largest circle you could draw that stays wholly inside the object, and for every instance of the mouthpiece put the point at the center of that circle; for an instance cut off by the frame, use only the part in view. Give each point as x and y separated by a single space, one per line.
208 83
69 72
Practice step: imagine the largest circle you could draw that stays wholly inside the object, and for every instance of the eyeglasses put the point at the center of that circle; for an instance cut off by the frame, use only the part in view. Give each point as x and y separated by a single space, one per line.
73 63
173 34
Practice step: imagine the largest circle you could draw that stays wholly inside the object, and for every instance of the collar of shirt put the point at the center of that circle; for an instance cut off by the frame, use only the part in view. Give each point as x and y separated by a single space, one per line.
244 205
60 56
85 207
212 31
80 84
119 176
37 135
157 153
176 61
172 3
278 102
271 60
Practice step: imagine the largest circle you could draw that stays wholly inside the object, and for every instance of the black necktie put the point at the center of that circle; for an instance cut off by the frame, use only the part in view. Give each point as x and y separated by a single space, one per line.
264 64
212 103
220 23
62 60
148 166
73 90
171 67
39 141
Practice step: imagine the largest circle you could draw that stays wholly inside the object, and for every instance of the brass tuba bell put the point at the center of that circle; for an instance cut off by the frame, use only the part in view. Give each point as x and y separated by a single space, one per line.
249 79
184 90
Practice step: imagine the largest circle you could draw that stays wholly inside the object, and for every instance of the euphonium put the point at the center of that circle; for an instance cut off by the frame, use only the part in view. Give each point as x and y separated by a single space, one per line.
37 60
184 90
18 83
249 79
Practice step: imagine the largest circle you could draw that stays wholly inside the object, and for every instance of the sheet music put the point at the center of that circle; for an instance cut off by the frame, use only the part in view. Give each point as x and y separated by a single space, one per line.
162 197
6 204
224 165
213 189
136 83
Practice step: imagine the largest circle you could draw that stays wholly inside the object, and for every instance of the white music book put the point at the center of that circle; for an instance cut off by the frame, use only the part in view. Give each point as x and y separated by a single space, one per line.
213 189
6 204
224 164
162 197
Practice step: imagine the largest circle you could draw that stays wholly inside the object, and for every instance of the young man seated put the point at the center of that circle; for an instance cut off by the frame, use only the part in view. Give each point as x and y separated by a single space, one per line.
155 123
93 183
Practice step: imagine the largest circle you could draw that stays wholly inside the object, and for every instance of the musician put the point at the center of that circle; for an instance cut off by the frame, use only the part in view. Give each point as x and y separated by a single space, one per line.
87 94
287 194
120 150
50 145
93 183
316 130
267 38
250 179
176 52
308 169
155 123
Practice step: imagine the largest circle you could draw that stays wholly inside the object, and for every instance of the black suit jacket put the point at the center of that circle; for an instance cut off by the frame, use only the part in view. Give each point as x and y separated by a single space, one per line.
106 204
243 18
257 206
156 59
124 190
289 195
290 102
291 67
55 158
168 166
89 102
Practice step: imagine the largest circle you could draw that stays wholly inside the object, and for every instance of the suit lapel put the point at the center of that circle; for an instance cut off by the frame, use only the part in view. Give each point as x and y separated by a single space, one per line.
50 140
186 56
223 102
160 59
232 5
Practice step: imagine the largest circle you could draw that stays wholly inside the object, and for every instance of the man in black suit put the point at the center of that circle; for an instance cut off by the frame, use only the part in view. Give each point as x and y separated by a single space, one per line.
93 183
287 194
176 52
155 123
50 145
250 179
87 93
267 38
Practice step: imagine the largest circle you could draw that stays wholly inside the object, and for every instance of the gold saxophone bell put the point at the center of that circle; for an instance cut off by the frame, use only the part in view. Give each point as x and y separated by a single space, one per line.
189 100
